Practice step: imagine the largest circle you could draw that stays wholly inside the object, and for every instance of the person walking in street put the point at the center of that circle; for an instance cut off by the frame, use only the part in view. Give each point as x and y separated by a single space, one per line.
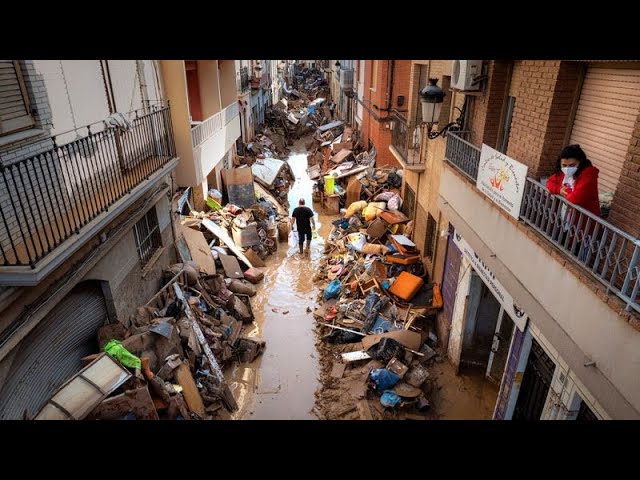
332 109
303 217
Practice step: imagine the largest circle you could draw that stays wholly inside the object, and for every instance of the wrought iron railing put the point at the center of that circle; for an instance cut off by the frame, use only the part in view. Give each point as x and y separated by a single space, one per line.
609 254
49 197
406 139
463 155
206 129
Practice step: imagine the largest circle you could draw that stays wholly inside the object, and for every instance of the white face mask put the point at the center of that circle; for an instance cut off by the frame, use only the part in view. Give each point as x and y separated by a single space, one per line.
569 171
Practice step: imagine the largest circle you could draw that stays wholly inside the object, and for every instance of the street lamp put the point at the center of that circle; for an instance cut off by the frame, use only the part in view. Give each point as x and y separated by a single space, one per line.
431 98
337 64
258 70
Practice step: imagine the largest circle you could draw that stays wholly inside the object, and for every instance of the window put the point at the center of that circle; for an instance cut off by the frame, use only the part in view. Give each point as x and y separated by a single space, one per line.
430 237
409 202
15 112
503 140
374 76
147 233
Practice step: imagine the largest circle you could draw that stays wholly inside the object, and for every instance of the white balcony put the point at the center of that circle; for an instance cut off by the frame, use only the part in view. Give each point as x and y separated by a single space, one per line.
212 138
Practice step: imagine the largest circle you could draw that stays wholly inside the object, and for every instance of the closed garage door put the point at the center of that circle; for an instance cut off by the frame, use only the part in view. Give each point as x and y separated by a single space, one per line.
51 353
607 111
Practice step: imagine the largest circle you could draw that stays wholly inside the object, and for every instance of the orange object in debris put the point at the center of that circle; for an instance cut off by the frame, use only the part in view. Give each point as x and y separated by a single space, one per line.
145 367
406 286
437 301
402 259
354 285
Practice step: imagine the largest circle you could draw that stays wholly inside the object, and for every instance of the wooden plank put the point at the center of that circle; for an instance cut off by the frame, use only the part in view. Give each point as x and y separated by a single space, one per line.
254 258
224 236
213 363
364 410
231 266
190 390
137 401
353 191
199 249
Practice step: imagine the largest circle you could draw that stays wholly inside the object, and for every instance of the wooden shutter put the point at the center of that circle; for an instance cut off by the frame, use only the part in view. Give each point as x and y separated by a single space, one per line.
14 101
607 111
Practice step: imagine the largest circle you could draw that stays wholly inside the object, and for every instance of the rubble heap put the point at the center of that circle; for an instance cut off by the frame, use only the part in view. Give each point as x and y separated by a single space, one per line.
376 315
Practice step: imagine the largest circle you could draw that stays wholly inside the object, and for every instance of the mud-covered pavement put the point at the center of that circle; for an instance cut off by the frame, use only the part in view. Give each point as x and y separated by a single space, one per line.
281 383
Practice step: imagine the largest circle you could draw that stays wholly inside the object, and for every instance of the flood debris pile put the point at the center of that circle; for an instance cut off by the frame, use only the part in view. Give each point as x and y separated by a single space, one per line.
345 172
171 354
302 109
376 316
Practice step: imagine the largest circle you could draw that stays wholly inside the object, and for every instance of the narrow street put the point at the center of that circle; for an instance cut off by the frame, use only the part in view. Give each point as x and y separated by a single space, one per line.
147 271
281 383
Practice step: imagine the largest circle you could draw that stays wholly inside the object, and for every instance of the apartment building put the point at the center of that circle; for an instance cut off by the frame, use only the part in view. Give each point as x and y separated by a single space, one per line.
206 122
544 307
86 157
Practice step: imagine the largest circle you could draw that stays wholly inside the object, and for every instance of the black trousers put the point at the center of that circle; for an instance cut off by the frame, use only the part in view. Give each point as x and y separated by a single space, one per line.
301 237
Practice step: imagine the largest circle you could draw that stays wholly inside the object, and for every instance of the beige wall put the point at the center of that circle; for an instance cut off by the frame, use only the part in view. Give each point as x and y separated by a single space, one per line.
209 87
228 85
569 313
175 84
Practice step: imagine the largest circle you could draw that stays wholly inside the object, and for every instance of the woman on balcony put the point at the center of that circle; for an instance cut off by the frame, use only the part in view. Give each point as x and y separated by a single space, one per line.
576 179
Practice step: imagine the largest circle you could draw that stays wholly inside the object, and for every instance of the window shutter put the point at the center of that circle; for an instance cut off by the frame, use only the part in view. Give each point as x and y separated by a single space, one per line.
14 101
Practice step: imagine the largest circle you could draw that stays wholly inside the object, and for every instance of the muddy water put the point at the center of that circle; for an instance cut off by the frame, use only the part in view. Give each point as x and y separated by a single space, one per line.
281 383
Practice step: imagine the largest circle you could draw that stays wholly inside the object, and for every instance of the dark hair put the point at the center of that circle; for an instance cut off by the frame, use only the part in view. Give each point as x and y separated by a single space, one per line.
301 201
574 151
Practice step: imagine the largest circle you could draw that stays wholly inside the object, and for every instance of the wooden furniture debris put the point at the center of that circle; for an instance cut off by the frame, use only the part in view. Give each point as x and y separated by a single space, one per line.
78 396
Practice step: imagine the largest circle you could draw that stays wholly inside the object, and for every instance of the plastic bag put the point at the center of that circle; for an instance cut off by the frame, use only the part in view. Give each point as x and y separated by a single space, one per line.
293 238
384 379
389 399
332 290
385 349
372 210
354 208
126 358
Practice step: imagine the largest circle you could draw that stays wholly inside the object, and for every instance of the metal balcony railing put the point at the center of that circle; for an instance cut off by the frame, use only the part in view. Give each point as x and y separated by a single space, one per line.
609 254
406 139
48 198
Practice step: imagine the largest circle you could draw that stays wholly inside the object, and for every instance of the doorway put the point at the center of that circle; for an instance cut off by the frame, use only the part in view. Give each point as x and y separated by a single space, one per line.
535 384
479 328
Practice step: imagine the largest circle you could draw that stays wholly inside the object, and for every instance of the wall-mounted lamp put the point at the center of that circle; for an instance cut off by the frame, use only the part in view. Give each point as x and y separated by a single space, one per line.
337 64
431 98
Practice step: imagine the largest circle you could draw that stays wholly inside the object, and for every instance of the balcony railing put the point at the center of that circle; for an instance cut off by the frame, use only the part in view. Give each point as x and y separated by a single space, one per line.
463 155
203 131
609 254
406 140
245 83
48 198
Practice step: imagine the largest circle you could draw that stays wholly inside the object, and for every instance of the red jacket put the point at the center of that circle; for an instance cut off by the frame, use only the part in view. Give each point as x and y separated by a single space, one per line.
584 192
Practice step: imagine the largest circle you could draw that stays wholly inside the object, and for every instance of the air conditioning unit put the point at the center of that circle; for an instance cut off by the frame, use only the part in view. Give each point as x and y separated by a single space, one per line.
463 74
